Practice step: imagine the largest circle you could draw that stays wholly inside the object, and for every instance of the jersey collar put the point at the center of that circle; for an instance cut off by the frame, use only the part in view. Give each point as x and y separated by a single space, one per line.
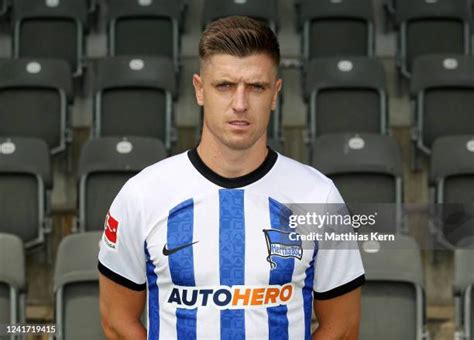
235 182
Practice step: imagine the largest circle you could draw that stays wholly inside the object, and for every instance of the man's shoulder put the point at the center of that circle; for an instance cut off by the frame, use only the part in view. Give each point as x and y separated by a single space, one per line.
173 168
300 172
168 165
291 180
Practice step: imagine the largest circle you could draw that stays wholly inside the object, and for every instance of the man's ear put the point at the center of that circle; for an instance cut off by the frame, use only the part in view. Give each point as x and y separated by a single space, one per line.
278 85
198 89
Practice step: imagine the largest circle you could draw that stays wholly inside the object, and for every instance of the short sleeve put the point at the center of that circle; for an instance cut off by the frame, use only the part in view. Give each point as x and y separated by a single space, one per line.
122 252
337 270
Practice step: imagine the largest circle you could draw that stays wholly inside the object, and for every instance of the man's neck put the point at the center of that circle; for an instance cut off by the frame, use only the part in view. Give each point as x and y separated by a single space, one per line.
231 163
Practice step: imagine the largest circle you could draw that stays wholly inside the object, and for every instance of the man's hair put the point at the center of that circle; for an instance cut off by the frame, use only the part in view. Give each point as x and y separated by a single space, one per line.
239 36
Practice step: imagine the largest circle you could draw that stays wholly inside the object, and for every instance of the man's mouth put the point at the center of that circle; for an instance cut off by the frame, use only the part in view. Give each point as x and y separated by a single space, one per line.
239 123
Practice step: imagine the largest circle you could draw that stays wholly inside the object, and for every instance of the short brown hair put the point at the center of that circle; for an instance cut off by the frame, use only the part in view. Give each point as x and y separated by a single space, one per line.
239 36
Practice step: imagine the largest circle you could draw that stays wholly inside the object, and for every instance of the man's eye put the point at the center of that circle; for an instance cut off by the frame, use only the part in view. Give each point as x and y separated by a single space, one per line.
257 87
224 86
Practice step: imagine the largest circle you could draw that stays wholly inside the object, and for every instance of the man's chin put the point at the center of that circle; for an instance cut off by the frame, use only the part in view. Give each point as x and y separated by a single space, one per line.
240 144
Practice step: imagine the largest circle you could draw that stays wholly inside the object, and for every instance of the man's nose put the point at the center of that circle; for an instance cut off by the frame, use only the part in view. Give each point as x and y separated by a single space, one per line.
240 100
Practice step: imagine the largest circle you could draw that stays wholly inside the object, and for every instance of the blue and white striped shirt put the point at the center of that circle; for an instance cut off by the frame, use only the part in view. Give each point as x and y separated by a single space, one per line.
199 243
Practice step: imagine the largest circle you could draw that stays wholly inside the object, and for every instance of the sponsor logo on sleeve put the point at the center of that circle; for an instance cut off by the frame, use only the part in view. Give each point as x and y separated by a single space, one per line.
111 231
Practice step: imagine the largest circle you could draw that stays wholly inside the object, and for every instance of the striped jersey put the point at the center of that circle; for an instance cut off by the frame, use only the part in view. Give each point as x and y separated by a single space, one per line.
200 244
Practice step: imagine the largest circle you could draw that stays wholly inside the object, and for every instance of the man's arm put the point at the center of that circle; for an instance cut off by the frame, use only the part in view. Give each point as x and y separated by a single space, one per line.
120 310
338 317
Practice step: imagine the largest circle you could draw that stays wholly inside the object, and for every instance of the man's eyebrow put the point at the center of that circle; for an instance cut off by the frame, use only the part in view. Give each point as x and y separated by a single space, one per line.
259 83
221 81
226 81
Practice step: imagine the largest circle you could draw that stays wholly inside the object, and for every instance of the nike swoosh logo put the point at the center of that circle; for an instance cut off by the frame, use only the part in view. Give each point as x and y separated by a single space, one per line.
168 252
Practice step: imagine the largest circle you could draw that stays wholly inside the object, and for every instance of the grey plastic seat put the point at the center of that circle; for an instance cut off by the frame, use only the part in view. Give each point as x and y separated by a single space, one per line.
367 170
50 29
393 296
76 288
12 279
144 28
431 27
463 284
106 163
32 91
25 180
264 10
337 28
442 89
142 88
452 174
346 95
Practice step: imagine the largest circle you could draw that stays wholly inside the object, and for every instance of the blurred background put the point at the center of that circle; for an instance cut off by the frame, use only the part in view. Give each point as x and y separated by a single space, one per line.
378 95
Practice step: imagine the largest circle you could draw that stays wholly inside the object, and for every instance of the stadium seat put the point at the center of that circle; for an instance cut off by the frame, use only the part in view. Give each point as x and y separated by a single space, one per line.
452 174
346 95
76 288
25 179
32 91
105 165
12 280
142 88
431 27
145 28
463 288
337 28
264 10
393 301
442 91
50 29
367 170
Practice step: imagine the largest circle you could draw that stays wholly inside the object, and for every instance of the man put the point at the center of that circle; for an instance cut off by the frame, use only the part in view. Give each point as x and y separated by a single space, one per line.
189 234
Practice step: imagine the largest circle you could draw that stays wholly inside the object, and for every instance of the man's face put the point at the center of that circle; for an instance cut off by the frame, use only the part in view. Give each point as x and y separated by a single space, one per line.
237 95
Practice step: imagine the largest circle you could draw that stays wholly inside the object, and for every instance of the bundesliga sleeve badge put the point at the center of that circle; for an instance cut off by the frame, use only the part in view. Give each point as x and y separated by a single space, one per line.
110 231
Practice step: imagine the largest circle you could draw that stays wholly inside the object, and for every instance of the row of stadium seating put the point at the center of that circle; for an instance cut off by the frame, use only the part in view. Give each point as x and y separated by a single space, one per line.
342 95
367 169
57 28
394 267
